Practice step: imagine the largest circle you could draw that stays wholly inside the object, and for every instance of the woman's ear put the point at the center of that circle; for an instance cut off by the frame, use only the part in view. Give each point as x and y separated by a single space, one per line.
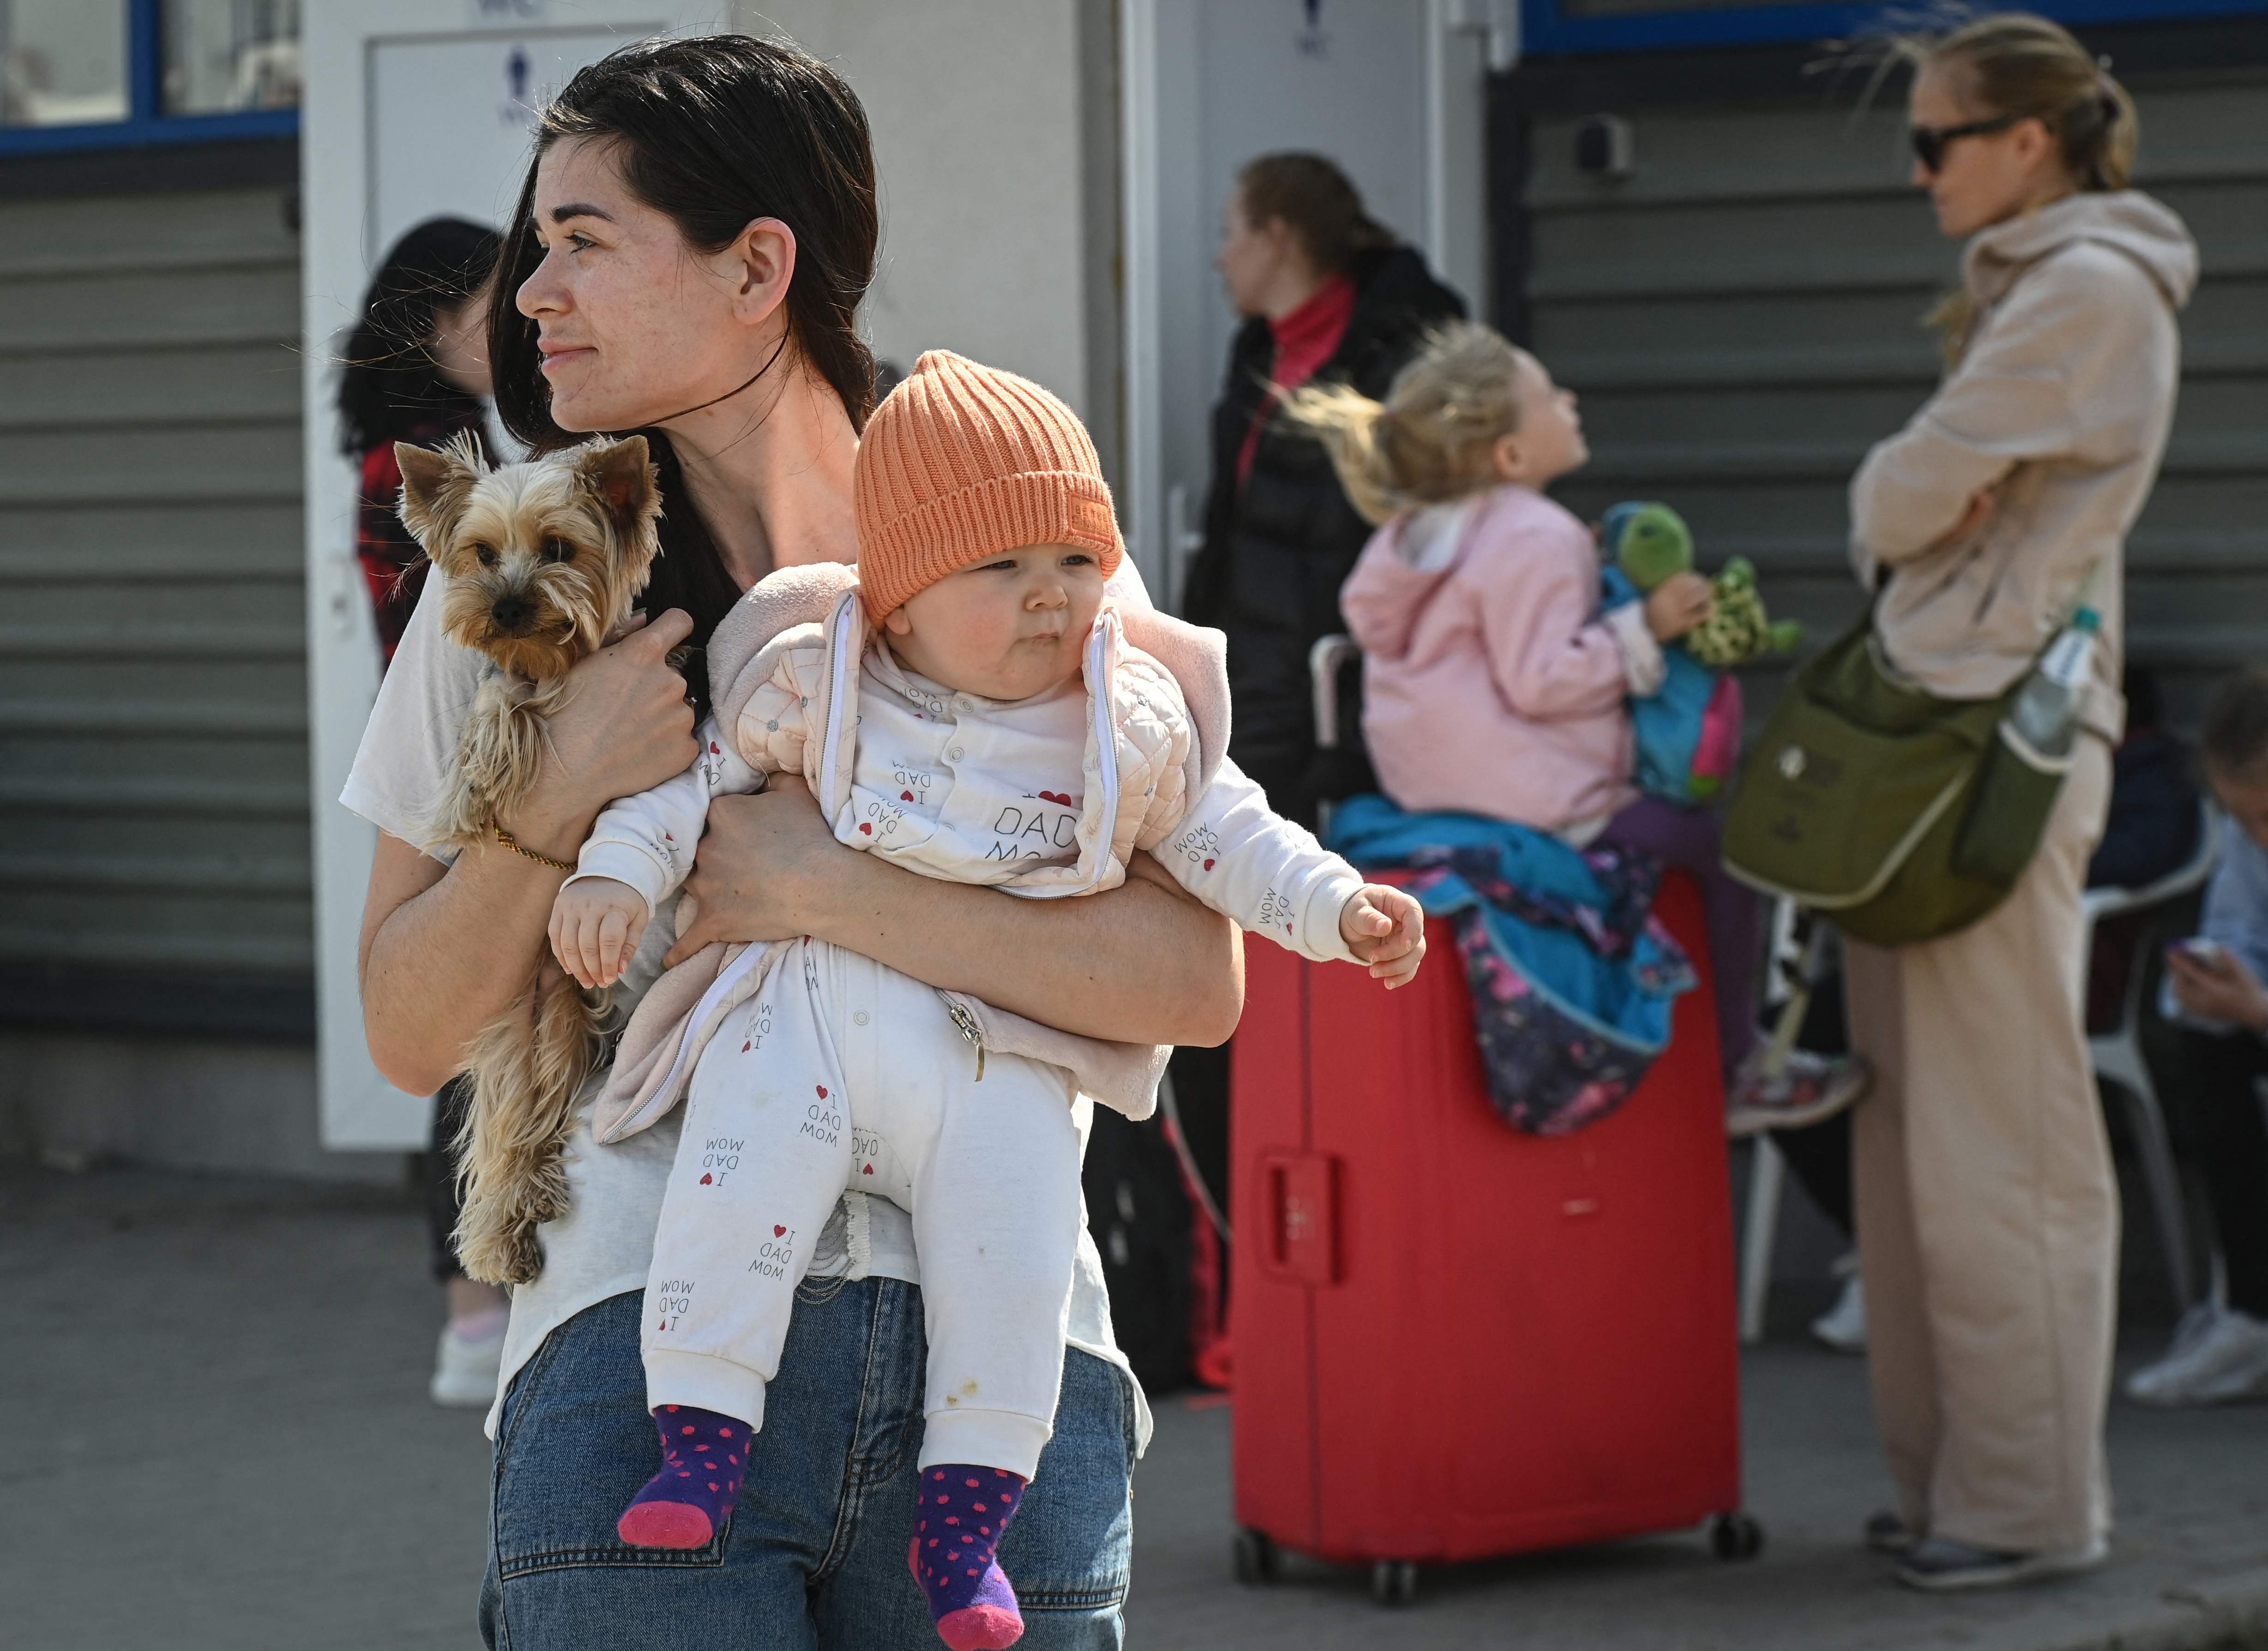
765 253
1285 242
2036 148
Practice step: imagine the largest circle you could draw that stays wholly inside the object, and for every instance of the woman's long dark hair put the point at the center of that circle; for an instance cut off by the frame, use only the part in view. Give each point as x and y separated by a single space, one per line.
715 132
388 384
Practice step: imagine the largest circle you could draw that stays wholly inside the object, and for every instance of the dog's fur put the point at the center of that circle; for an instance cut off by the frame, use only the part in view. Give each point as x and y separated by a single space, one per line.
543 560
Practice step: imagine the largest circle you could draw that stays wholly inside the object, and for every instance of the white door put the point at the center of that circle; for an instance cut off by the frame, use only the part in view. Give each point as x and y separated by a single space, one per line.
450 120
1391 90
414 109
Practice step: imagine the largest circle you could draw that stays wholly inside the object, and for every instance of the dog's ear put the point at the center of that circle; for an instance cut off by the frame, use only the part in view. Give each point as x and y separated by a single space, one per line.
622 476
434 488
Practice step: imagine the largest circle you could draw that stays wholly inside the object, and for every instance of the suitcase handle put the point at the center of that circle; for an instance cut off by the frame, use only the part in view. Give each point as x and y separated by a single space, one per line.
1302 1232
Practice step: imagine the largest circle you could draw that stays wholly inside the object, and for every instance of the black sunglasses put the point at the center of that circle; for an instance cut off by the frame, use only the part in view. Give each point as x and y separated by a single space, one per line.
1930 142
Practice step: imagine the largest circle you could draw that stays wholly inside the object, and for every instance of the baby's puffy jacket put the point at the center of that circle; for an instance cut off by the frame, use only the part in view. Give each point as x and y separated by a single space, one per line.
787 697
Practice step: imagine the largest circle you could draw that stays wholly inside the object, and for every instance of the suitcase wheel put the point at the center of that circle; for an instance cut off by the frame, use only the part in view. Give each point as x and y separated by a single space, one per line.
1256 1557
1736 1536
1393 1582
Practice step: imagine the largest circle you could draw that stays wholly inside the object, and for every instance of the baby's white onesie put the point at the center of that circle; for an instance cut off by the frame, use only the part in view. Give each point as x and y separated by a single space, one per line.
841 1071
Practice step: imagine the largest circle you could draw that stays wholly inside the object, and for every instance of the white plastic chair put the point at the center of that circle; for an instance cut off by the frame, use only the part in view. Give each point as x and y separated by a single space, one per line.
2116 1055
1786 955
1324 660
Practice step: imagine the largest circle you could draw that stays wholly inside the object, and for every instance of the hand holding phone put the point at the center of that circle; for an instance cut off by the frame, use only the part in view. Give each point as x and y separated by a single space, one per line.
2209 955
2213 983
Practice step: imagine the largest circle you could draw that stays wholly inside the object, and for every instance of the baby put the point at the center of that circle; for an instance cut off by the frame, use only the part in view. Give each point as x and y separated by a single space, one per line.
977 707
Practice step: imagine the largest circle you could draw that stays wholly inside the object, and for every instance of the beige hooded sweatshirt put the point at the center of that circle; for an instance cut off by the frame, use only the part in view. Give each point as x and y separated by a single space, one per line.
2060 403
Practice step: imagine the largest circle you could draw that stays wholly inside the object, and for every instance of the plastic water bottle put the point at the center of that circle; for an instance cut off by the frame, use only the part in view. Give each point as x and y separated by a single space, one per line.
2046 713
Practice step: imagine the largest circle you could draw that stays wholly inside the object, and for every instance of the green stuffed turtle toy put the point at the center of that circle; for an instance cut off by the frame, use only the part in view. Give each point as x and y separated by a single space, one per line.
1650 543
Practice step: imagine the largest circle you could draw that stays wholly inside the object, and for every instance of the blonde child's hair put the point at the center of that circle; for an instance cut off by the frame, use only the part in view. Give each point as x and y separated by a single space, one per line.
1429 440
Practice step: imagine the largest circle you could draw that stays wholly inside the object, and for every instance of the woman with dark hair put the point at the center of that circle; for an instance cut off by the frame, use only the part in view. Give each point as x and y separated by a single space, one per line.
416 370
1328 296
687 261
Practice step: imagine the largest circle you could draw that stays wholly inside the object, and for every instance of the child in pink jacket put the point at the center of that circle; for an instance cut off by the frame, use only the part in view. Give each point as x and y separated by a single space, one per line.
1492 685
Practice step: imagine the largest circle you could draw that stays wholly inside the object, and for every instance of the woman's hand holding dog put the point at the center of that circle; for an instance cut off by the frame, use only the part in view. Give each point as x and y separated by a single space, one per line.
625 728
596 925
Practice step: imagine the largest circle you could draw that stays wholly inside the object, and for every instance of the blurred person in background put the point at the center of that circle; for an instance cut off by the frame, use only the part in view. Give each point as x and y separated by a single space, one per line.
416 370
2214 992
2154 819
1328 295
1987 1211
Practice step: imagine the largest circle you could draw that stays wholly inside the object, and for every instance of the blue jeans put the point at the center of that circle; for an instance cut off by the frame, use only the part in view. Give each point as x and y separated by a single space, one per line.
815 1553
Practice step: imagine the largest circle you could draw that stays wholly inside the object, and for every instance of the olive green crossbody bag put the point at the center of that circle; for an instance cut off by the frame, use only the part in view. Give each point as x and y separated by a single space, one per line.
1901 815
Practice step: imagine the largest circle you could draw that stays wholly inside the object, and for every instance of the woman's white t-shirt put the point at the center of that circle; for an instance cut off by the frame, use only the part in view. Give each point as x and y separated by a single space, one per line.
603 1245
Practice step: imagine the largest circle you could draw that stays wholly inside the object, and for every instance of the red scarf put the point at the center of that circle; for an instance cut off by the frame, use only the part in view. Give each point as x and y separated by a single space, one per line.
1305 340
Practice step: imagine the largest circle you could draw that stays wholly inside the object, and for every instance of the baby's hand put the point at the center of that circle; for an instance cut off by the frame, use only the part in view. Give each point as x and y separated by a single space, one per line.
1385 928
595 925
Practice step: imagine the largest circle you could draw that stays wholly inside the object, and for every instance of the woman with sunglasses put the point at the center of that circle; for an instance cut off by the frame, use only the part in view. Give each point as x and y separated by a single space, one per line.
1987 1211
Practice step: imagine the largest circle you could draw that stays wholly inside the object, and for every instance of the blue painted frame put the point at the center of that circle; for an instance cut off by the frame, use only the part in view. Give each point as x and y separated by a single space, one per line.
145 123
1546 32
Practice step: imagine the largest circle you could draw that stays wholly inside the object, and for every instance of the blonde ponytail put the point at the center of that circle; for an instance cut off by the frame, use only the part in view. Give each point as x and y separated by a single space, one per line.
1429 440
1346 422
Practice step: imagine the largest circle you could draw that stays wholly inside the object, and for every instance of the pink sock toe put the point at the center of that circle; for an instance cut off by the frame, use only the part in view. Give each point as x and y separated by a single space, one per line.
963 1513
980 1628
704 1456
665 1525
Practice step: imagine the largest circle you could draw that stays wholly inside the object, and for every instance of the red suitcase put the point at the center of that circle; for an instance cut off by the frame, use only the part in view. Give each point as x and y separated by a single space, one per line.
1453 1340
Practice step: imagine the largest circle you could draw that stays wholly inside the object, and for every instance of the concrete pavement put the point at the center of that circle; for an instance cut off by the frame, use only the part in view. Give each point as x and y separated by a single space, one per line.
215 1435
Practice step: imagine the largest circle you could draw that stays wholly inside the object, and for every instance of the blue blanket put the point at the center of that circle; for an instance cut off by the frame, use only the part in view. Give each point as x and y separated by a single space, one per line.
1573 979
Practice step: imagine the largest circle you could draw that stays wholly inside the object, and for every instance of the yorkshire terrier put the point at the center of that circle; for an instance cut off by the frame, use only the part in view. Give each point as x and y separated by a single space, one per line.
543 560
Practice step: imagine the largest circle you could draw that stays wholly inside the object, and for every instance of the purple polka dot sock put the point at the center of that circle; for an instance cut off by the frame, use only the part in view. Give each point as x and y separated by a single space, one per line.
964 1512
704 1456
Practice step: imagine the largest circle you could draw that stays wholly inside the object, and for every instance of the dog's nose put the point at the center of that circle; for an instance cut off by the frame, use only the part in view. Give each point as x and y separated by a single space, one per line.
512 612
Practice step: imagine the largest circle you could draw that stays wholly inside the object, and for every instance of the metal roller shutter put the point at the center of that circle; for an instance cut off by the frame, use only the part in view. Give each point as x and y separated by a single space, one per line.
153 723
1742 318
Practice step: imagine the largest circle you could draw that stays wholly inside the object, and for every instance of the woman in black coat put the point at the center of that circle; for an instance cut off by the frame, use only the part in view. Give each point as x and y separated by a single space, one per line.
1328 295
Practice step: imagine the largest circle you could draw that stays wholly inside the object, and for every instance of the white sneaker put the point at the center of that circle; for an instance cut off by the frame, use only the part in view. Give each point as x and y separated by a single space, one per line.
1843 1327
2219 1357
465 1367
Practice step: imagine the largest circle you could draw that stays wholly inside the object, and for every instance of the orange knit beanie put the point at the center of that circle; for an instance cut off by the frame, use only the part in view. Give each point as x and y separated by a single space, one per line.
961 462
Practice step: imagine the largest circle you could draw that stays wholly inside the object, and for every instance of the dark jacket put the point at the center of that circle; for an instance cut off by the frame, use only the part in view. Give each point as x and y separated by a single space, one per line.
393 563
1278 549
2154 817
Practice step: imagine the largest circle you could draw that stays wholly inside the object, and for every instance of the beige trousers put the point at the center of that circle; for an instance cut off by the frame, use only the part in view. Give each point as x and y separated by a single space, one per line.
1987 1209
